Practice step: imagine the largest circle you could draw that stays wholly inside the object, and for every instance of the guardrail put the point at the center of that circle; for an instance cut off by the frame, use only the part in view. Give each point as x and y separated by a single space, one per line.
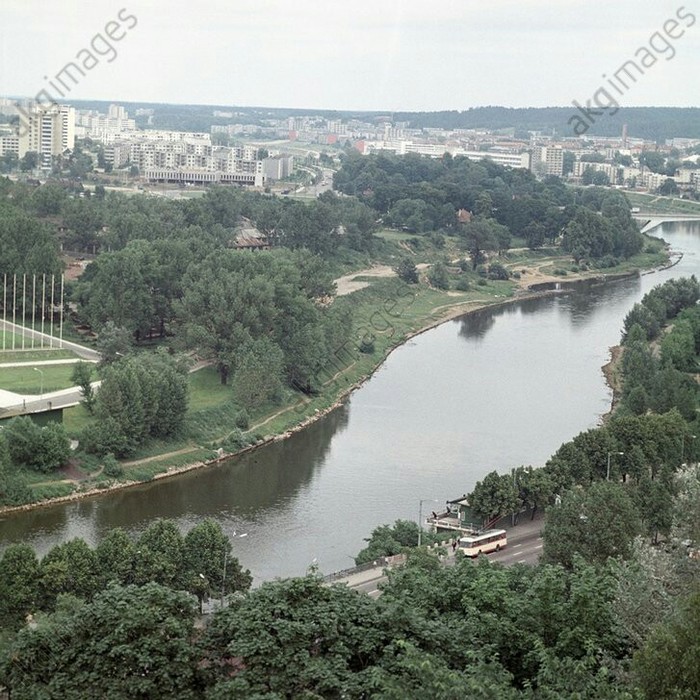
383 562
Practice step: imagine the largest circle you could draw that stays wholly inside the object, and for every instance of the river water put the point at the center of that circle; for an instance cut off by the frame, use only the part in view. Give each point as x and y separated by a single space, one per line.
492 390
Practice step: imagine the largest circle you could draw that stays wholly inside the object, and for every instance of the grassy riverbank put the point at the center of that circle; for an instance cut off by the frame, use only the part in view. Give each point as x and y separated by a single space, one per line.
386 313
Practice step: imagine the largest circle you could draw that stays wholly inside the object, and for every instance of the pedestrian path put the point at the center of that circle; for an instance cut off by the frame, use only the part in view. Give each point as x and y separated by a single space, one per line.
41 363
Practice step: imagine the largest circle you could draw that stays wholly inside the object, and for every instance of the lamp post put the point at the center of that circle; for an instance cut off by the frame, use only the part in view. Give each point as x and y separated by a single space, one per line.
41 389
420 515
692 437
607 473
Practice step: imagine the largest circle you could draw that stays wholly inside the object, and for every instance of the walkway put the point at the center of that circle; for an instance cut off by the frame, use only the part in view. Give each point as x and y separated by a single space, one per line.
80 350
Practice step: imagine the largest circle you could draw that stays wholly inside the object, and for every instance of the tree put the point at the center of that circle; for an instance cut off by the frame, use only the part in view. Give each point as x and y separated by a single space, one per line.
407 271
42 449
495 495
81 376
160 555
258 375
116 555
19 574
127 643
209 564
113 342
482 235
668 665
68 568
535 488
387 540
438 276
329 635
596 524
29 161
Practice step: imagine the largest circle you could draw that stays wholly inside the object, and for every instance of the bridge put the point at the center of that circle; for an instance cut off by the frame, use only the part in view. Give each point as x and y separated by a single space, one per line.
13 404
651 221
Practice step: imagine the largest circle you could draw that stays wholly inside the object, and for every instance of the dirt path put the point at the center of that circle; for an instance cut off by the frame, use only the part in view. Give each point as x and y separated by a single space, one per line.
347 284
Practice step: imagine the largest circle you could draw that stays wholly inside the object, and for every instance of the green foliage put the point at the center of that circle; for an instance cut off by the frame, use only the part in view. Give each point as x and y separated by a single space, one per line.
258 375
668 666
407 271
496 271
495 495
140 397
327 635
68 568
387 540
19 574
42 449
112 468
661 304
438 276
127 643
82 376
596 524
242 420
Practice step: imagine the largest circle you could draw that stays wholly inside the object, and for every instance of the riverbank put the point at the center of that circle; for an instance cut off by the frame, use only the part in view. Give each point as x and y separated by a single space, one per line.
410 316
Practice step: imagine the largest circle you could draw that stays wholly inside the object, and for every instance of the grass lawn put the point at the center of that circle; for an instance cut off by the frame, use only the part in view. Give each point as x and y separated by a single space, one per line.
27 380
206 389
662 205
35 355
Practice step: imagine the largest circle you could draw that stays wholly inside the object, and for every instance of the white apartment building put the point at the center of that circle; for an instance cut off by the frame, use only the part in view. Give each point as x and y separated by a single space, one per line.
46 130
549 160
105 128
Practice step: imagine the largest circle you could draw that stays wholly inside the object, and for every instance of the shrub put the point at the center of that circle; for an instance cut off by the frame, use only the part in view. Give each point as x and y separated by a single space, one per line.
482 282
242 419
367 346
463 284
496 271
112 468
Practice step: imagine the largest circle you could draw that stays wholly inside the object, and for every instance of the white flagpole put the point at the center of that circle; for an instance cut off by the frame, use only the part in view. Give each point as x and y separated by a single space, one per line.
14 309
4 309
53 284
24 304
60 326
33 308
43 306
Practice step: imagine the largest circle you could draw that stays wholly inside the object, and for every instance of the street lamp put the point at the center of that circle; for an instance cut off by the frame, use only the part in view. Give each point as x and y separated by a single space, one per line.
607 473
41 372
692 437
420 515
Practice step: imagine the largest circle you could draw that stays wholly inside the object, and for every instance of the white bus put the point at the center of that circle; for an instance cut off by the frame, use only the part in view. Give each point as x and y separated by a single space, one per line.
487 541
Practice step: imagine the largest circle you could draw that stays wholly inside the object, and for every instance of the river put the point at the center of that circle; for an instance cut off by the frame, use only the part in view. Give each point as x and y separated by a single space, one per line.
491 390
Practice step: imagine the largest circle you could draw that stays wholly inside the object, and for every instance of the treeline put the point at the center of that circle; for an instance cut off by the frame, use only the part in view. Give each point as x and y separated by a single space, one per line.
141 397
647 438
472 630
100 221
421 194
199 563
652 123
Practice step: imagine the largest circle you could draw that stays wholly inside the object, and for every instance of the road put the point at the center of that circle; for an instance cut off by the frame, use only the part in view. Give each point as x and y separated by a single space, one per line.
524 547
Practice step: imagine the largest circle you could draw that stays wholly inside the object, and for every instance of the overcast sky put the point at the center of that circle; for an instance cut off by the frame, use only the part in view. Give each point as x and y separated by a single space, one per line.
388 55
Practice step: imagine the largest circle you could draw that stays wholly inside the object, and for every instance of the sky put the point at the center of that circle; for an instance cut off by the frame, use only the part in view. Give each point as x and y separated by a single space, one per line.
385 55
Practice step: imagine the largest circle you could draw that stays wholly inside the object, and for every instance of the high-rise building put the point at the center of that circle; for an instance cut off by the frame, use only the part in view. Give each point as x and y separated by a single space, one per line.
548 160
46 130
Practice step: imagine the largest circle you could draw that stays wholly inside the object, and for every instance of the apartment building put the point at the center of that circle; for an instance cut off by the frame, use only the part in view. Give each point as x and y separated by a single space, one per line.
46 130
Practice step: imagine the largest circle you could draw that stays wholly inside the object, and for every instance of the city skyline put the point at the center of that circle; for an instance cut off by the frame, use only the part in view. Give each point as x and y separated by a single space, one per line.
387 56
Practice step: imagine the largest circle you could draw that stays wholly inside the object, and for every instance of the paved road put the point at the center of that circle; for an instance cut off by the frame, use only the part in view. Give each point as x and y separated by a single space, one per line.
524 547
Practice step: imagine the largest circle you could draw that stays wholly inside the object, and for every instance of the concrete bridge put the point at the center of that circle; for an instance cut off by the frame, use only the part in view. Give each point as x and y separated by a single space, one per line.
651 221
52 403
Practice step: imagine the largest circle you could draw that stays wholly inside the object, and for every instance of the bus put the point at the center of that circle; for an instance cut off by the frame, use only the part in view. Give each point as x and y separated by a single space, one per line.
487 541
